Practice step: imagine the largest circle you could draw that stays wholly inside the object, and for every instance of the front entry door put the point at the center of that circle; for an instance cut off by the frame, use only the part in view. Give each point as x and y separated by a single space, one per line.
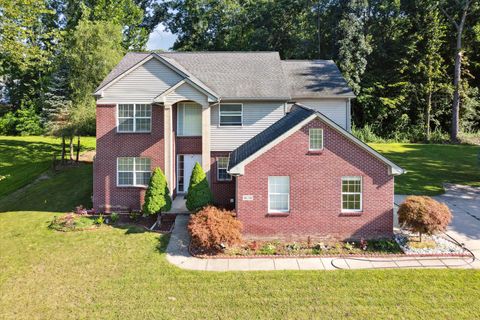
185 164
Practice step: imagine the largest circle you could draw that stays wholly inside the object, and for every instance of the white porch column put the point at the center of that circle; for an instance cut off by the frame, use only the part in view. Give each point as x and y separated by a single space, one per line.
168 140
206 139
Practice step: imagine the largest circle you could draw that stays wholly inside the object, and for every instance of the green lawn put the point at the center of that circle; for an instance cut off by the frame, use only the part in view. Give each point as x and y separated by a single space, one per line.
23 159
430 165
113 273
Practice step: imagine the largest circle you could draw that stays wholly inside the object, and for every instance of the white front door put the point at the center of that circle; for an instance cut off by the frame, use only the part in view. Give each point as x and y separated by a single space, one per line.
185 164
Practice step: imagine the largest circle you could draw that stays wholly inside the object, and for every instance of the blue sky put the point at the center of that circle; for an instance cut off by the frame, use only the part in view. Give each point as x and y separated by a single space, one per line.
160 39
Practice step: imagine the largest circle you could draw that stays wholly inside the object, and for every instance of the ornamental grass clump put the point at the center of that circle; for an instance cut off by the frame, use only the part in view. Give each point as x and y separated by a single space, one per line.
214 229
424 215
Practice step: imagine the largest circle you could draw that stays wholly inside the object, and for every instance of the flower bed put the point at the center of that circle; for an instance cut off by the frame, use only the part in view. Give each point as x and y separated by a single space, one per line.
430 245
304 249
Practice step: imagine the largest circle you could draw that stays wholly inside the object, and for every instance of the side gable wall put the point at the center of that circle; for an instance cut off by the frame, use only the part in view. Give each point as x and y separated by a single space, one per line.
141 85
315 190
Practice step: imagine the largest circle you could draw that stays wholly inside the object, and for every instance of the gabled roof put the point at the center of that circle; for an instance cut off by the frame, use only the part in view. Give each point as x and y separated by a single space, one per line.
298 117
244 75
315 79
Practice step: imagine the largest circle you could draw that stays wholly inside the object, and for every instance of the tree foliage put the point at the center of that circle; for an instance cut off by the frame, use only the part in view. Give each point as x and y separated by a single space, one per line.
157 196
199 194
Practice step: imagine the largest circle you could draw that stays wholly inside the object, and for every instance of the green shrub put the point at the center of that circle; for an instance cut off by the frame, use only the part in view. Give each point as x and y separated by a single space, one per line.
199 194
268 249
114 217
424 215
99 220
366 134
214 229
157 197
28 122
134 215
7 124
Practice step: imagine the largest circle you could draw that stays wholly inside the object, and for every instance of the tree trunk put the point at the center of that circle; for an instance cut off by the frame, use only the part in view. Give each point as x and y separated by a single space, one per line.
78 148
456 93
427 116
63 148
71 148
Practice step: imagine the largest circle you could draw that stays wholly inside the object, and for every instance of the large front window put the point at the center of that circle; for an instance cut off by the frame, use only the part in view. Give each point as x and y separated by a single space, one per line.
134 118
278 194
351 194
133 171
231 114
189 119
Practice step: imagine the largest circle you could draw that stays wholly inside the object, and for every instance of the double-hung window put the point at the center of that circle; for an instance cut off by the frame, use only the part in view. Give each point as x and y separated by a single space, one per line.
315 139
189 119
133 172
231 114
351 194
134 118
222 167
278 194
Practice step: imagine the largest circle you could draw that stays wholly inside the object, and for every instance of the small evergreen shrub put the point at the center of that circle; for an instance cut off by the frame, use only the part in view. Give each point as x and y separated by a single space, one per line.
114 217
424 215
214 229
157 197
199 194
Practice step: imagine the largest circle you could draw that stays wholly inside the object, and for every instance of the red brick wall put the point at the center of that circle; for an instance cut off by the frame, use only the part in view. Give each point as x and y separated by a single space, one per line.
223 191
315 190
111 145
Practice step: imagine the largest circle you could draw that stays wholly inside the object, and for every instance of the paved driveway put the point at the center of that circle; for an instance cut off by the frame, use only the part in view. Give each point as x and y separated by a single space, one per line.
464 202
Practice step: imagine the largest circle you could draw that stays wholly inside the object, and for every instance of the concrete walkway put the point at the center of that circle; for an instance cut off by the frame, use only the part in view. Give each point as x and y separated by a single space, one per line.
178 254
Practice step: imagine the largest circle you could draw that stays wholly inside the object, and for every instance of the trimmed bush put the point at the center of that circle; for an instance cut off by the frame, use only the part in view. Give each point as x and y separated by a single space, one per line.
424 215
199 194
157 197
214 229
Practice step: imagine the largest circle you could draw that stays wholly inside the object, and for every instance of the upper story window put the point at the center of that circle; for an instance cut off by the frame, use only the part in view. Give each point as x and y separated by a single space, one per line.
231 114
351 194
133 172
134 118
189 119
278 194
316 139
222 167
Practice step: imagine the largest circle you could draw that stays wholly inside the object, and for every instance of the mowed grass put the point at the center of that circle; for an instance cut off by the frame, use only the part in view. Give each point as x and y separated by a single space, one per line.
114 274
431 165
56 191
23 159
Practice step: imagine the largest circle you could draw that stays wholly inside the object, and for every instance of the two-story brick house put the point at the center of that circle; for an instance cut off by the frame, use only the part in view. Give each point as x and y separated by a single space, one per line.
273 137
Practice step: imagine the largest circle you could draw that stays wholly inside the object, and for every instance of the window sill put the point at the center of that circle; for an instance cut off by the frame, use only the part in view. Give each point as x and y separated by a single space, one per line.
133 187
314 152
278 214
351 214
134 132
181 136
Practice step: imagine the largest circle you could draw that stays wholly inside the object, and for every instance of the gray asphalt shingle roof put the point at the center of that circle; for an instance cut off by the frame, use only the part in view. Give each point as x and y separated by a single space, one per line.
249 74
315 79
290 120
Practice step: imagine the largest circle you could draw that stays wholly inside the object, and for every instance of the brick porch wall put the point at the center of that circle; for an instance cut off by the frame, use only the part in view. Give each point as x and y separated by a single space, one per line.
315 190
111 145
223 191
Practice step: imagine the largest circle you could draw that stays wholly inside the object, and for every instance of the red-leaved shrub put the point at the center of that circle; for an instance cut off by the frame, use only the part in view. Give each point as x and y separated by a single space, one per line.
213 229
424 215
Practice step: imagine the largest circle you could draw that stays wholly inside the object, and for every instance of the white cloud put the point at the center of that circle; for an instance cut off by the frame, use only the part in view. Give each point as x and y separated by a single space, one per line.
160 39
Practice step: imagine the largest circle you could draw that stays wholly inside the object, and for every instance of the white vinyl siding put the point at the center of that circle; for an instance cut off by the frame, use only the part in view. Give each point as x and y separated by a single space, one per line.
134 117
278 194
186 92
315 139
133 172
231 114
189 119
222 167
351 194
141 85
334 109
257 116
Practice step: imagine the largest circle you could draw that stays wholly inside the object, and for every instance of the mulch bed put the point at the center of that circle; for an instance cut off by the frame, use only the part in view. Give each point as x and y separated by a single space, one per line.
168 221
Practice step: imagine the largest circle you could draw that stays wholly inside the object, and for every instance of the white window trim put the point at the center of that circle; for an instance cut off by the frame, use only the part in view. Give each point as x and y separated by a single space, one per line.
220 114
134 118
134 174
288 198
310 141
218 170
342 193
183 118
